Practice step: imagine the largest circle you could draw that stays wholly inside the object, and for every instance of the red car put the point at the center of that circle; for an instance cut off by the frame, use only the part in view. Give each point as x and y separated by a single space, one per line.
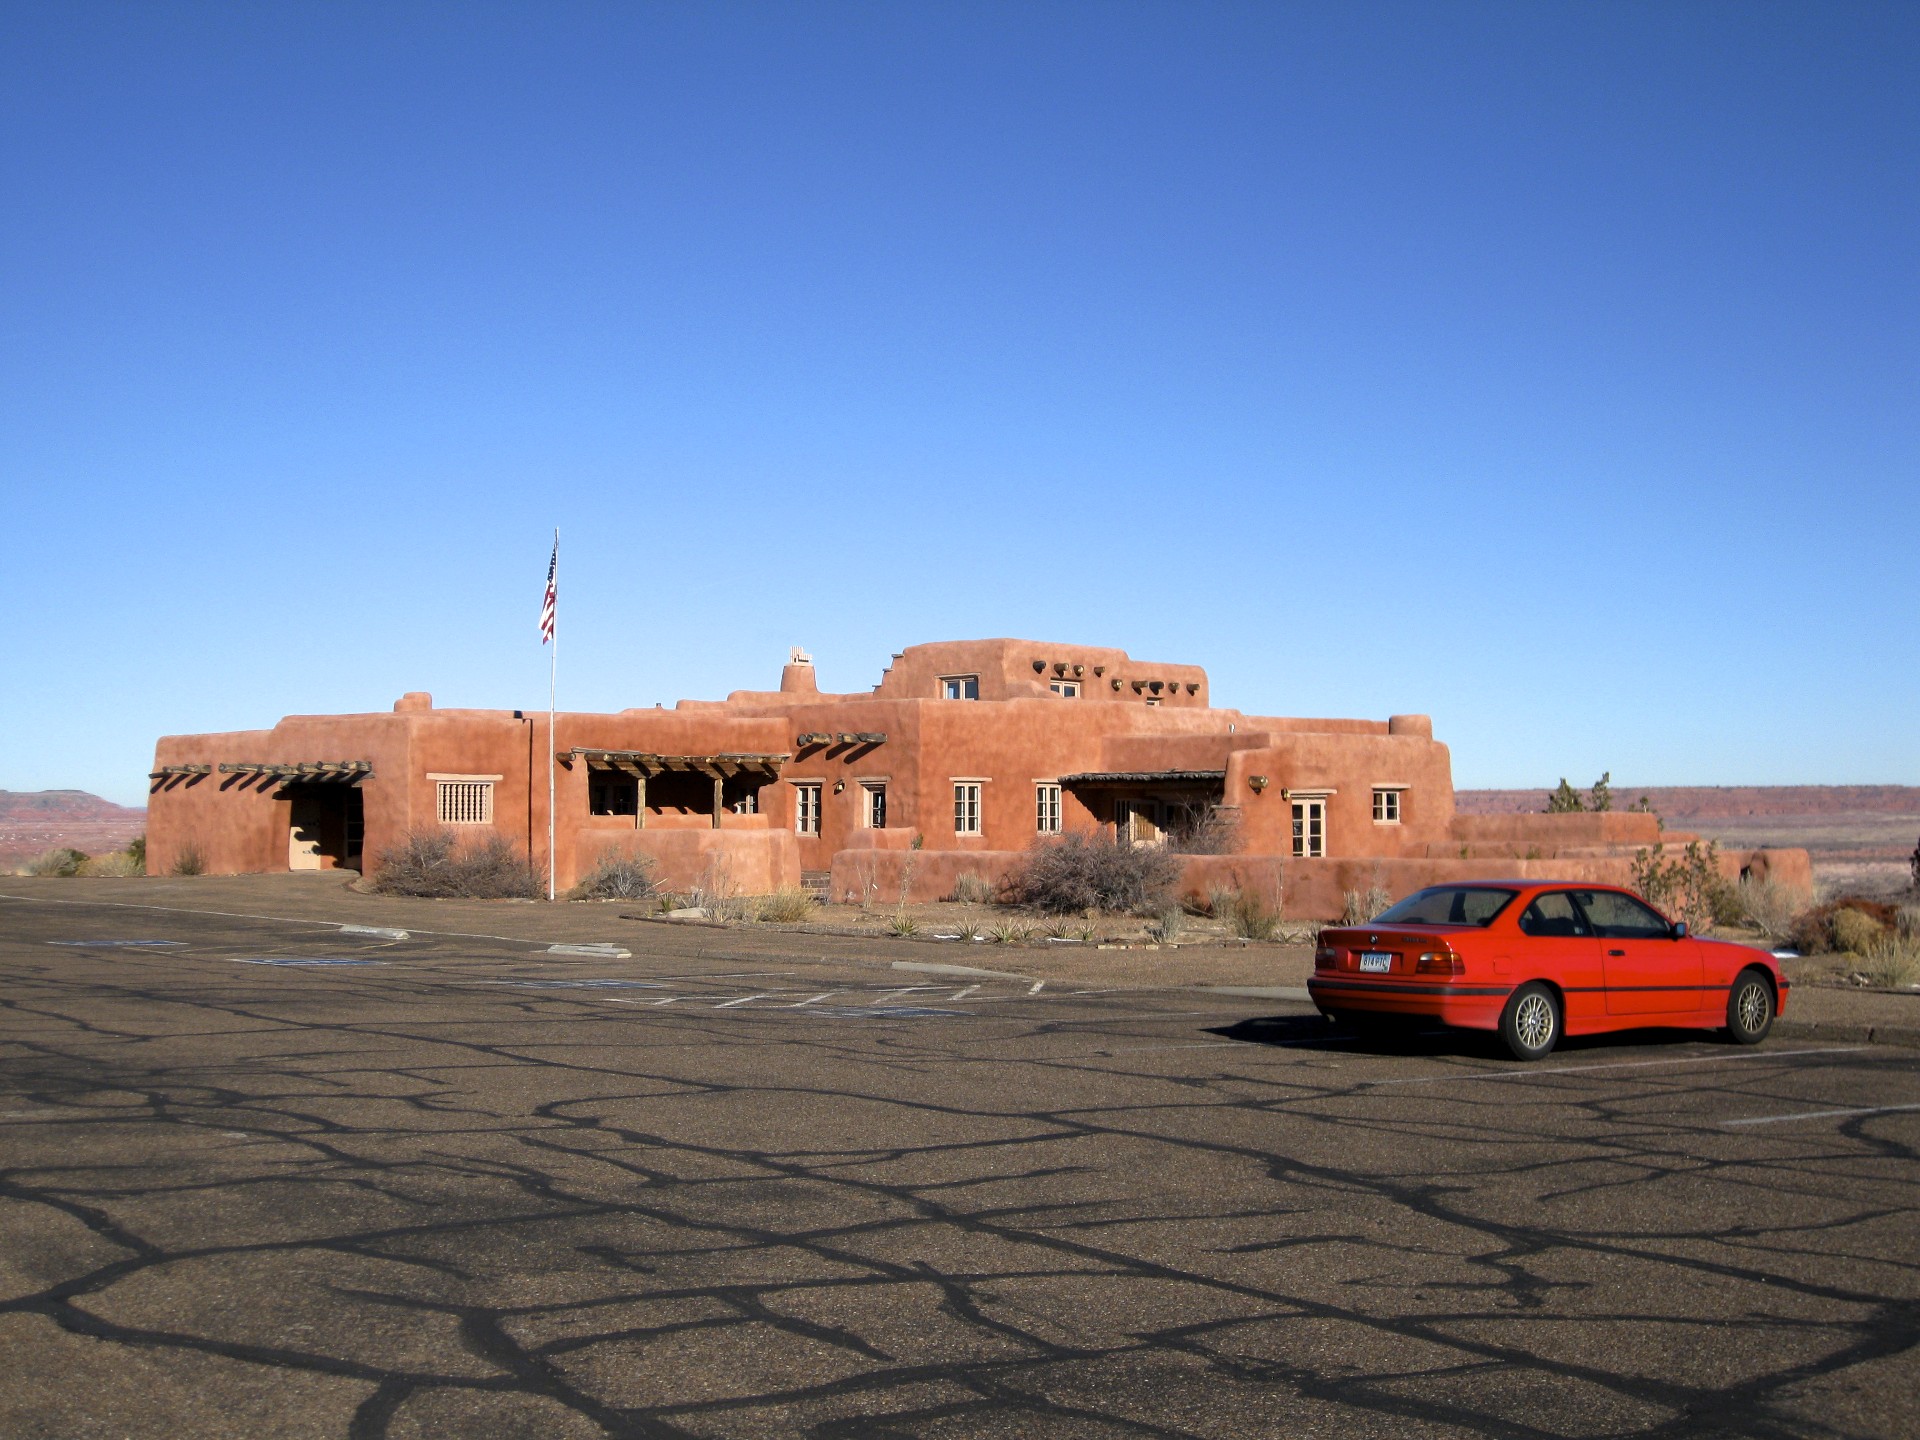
1537 959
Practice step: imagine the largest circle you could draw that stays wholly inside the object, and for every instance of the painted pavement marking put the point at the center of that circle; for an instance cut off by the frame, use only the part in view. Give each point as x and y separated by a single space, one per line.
1533 1070
1821 1114
336 961
118 944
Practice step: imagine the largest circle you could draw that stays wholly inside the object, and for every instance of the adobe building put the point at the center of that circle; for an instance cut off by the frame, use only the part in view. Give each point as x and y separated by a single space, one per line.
960 758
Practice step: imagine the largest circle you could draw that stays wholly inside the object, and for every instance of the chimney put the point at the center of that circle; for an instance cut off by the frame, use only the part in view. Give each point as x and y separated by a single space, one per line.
797 677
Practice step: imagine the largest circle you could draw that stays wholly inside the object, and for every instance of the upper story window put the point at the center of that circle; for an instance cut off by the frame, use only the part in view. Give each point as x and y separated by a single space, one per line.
806 809
873 805
966 807
464 802
1047 809
959 687
1386 804
1068 688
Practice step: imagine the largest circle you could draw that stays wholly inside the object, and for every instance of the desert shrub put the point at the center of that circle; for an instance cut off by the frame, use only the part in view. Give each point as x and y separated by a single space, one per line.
1006 932
116 866
1168 924
1250 916
1907 922
60 860
1892 961
1812 932
1855 932
137 848
972 889
1771 907
617 875
902 924
432 864
1358 908
787 907
1216 831
1688 885
1081 872
189 862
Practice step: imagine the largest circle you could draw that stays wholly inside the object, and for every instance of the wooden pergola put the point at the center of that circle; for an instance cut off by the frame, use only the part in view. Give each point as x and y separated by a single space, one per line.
642 764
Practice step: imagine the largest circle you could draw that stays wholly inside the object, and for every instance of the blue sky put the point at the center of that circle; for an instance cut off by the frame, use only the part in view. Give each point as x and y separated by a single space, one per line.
1548 368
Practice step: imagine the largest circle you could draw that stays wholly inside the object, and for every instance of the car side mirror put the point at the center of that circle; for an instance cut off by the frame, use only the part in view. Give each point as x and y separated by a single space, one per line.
1679 929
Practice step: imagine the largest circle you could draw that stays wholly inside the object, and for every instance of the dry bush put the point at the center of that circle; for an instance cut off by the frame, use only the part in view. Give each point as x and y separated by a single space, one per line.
190 862
59 861
1167 926
902 924
432 864
1215 832
117 866
1358 908
1250 916
617 875
1892 961
1855 932
788 907
1813 929
1080 872
1771 907
1907 922
972 889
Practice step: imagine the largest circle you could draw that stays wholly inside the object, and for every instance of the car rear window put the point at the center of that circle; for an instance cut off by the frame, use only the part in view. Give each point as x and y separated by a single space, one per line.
1448 905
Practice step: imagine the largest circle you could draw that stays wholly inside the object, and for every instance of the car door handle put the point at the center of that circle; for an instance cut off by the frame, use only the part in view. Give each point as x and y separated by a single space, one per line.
1616 952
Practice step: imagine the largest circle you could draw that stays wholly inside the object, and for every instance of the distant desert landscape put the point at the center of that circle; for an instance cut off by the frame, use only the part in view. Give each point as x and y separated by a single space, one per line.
1861 837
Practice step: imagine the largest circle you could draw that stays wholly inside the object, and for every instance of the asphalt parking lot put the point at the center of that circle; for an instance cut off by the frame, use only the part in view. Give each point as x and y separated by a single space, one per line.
269 1178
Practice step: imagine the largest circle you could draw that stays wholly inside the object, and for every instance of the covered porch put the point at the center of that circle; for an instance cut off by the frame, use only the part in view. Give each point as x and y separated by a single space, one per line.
1181 808
673 791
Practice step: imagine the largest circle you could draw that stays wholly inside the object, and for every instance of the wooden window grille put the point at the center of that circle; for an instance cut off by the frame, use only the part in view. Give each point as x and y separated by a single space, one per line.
465 802
806 811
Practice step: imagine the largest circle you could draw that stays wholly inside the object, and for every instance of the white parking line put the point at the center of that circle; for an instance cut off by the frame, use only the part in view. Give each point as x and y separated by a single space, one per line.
729 1004
1196 1045
1038 986
813 999
1533 1070
1820 1114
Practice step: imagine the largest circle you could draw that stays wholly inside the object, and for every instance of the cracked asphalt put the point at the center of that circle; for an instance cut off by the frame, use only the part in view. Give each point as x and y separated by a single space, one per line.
265 1178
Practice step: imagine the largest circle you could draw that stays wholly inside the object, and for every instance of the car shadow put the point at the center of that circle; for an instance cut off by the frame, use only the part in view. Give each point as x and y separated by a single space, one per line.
1317 1033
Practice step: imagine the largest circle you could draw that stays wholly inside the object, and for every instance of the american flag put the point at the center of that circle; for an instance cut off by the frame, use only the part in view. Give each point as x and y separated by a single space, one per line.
546 605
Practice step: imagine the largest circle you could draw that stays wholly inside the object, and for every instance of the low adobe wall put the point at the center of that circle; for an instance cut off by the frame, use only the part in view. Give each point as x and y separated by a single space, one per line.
874 876
1303 889
735 862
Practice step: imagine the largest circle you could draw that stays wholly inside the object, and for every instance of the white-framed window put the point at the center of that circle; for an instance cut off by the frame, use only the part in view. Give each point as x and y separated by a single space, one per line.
966 807
1386 804
1153 702
1309 828
463 802
1068 688
959 687
873 805
806 808
1046 806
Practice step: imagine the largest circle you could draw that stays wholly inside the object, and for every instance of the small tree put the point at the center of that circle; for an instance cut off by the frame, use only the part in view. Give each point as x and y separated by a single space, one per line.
1564 801
1600 798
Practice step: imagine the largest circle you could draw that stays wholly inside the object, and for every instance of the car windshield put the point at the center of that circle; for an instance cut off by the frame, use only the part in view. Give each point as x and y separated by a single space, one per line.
1448 905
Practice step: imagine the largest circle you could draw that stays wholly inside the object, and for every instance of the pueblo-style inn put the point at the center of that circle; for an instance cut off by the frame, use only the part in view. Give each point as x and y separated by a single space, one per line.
955 763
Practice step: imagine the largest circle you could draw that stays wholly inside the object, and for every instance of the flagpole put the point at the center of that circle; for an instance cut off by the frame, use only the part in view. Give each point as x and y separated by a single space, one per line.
553 690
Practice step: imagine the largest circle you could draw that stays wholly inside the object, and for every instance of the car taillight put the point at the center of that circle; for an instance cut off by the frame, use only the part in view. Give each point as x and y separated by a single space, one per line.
1326 958
1440 962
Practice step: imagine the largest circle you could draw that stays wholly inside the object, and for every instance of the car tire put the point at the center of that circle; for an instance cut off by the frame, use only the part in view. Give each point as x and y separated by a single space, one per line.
1750 1008
1531 1022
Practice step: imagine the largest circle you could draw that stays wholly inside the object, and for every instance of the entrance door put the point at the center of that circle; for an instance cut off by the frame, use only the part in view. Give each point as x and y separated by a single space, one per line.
1138 822
303 833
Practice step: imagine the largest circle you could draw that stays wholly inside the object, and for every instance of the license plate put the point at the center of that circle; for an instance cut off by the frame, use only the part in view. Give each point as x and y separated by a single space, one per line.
1376 961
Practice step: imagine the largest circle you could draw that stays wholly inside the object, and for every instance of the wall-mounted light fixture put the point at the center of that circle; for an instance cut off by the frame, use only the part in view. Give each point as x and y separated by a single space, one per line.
838 786
1258 782
1039 667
